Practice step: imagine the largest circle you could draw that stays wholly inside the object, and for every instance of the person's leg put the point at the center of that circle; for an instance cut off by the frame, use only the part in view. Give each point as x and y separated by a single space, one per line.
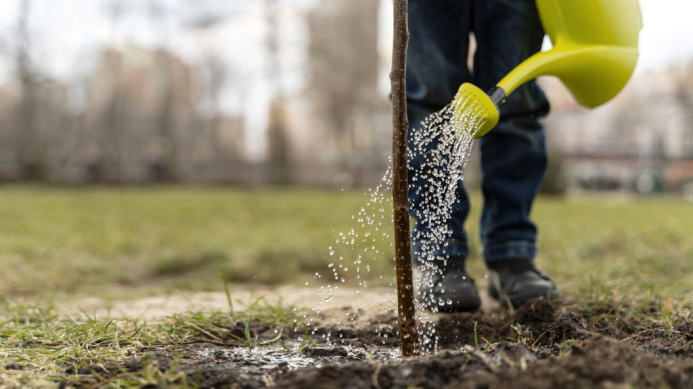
513 155
436 67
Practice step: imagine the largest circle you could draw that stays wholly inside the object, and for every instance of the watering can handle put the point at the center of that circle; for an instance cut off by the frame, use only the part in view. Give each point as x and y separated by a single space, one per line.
593 74
595 48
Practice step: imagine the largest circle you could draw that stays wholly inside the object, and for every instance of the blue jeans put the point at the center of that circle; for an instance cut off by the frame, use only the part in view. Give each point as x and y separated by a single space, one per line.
513 155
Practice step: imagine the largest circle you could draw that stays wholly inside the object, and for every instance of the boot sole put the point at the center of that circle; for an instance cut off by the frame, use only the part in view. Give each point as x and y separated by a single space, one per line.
522 298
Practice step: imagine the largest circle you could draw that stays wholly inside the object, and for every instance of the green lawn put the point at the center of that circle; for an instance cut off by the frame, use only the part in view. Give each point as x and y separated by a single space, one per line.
62 242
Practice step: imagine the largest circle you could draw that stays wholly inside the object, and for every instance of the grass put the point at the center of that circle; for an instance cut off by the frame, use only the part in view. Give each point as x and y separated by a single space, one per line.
40 347
110 241
116 242
630 247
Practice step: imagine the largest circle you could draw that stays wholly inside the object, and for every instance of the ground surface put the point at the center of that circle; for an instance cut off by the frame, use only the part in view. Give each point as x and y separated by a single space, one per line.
120 243
118 287
604 342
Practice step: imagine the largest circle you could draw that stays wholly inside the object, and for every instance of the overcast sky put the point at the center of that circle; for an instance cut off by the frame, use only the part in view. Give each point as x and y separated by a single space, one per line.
64 29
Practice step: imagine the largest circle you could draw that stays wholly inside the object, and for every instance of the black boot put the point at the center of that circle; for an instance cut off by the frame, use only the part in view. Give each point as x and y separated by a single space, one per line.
449 289
517 281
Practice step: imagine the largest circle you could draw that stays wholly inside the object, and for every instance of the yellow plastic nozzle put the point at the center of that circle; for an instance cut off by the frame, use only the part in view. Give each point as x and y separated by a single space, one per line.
474 111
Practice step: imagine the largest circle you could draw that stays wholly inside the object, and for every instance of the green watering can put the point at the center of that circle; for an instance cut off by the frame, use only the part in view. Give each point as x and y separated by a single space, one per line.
595 49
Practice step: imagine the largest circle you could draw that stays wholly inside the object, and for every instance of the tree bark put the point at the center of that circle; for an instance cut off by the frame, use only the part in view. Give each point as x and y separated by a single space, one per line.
400 187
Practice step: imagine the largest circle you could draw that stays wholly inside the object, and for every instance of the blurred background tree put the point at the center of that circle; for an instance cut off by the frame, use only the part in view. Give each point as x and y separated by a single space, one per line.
273 92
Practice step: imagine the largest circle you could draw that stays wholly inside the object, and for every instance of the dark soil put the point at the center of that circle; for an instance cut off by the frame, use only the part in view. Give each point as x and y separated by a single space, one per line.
540 345
597 362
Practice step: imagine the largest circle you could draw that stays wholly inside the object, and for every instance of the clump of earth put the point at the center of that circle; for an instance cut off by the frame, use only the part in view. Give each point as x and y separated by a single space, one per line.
540 345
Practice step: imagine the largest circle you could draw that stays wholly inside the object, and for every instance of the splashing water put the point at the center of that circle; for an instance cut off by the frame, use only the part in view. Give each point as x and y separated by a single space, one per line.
443 142
372 224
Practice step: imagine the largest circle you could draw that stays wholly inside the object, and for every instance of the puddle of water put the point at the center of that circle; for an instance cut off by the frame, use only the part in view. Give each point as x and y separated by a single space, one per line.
268 359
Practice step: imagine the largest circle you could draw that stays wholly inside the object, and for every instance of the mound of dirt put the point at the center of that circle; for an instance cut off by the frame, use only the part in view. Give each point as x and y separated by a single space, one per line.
598 362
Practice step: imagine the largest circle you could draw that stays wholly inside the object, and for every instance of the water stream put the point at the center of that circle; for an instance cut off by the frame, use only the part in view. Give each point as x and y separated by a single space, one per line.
444 142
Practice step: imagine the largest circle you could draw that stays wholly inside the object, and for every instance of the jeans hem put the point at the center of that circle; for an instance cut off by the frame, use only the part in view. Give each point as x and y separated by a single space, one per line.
510 250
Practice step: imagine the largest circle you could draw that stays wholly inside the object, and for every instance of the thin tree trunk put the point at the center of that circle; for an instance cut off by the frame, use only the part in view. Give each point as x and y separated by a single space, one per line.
405 284
30 150
168 164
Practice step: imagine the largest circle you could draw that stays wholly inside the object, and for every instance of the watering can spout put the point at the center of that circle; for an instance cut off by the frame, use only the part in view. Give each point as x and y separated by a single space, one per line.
595 50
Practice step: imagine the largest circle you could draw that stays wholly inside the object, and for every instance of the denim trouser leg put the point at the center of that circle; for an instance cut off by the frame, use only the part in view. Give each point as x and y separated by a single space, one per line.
513 155
436 67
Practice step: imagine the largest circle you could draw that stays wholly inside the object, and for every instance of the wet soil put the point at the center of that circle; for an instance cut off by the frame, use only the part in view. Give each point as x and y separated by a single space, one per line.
539 345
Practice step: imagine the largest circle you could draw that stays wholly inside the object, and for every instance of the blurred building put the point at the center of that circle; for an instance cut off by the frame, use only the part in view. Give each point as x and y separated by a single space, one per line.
339 126
139 106
631 143
141 123
189 108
